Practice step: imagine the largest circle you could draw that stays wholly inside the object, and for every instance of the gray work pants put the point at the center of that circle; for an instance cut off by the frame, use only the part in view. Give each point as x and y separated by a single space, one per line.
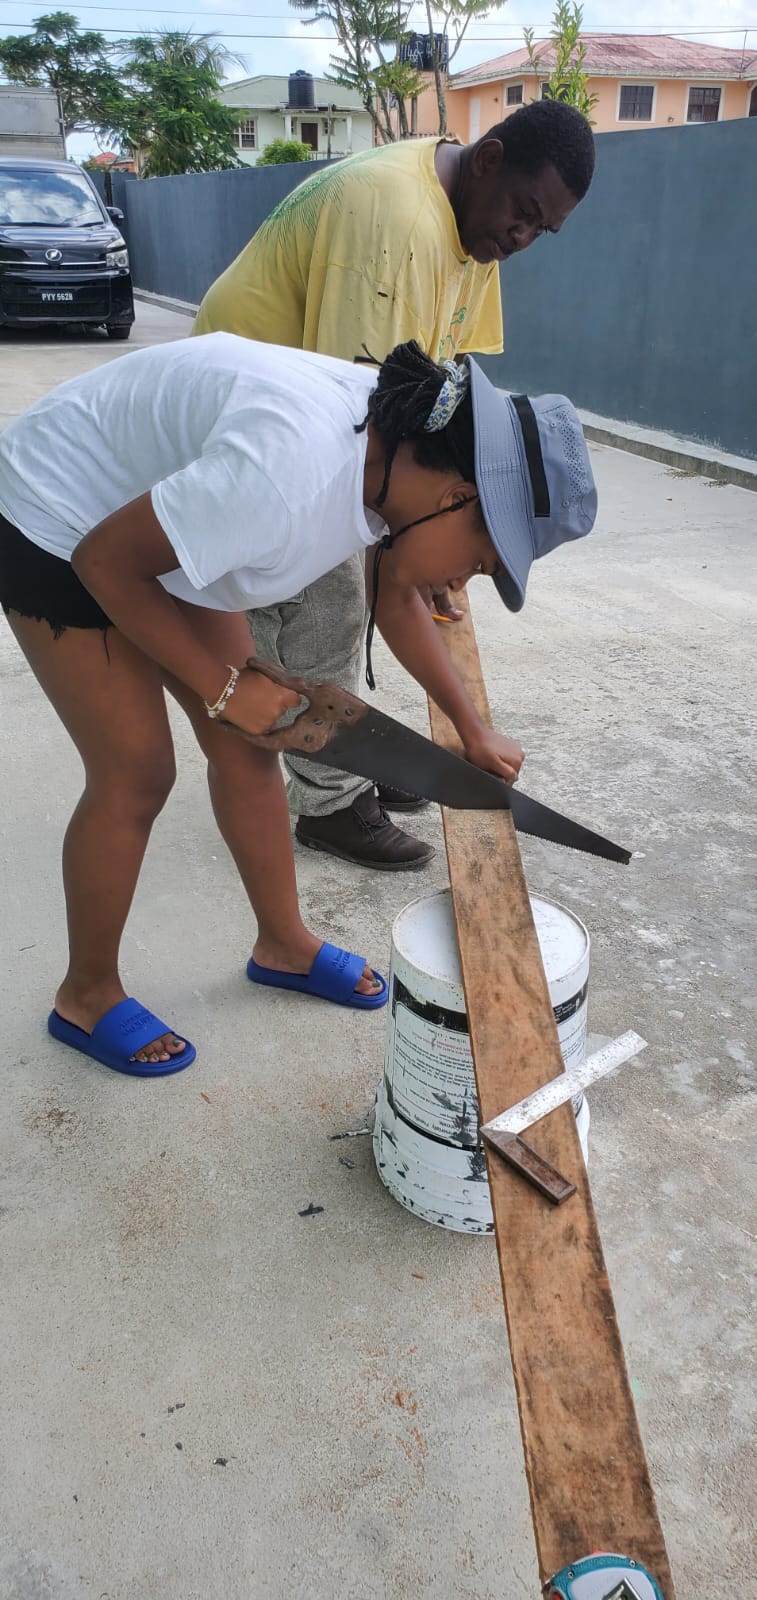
319 635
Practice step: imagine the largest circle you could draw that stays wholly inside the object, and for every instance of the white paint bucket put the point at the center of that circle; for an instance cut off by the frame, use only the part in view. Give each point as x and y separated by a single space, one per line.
425 1139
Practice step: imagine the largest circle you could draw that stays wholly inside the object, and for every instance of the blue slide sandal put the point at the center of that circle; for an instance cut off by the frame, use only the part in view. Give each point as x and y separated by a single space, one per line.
332 976
123 1030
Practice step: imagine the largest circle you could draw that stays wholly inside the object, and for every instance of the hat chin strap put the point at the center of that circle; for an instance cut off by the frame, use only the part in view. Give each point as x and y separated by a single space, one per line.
386 544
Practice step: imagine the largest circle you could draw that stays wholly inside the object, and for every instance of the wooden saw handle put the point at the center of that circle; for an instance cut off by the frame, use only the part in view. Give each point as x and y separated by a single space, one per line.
327 708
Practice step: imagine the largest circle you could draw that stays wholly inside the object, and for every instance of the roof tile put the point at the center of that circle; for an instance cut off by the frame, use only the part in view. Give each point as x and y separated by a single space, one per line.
624 55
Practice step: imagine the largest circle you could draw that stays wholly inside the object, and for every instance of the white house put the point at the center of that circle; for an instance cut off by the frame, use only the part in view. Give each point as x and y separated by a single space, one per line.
331 120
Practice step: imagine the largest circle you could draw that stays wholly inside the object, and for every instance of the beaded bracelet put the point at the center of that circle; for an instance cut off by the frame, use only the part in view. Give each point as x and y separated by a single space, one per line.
224 698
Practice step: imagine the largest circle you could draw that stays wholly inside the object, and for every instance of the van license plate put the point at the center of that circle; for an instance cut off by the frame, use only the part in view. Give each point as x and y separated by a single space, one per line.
57 295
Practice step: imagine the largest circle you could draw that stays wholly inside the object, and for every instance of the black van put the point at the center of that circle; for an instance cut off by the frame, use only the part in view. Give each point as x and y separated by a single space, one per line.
62 256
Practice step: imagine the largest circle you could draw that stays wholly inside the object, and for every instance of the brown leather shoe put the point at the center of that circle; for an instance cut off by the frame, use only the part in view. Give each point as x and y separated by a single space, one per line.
363 833
400 799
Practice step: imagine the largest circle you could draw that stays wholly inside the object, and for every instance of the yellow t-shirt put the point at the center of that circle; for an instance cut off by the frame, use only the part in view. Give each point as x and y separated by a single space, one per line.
366 252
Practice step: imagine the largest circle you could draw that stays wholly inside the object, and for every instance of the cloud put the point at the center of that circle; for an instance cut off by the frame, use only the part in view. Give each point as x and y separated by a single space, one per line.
279 57
313 55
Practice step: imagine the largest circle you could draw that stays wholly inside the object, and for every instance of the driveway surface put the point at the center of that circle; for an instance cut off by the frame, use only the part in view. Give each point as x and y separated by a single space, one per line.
205 1393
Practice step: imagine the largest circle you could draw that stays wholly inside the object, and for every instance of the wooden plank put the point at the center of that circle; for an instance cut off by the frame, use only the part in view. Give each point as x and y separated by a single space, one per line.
587 1473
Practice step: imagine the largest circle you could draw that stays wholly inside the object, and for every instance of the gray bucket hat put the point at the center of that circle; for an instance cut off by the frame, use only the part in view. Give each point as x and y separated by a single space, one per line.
533 477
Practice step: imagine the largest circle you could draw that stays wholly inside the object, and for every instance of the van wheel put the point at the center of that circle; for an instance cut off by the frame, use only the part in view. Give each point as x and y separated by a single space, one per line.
118 330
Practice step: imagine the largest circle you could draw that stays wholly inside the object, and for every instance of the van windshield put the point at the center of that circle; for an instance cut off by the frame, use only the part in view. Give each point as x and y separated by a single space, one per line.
47 199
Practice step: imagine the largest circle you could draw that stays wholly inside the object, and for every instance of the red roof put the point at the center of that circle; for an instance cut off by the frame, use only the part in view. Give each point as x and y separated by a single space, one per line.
624 55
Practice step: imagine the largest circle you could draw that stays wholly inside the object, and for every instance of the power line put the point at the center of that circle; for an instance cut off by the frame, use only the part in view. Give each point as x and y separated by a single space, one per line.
162 11
327 38
331 38
486 39
274 16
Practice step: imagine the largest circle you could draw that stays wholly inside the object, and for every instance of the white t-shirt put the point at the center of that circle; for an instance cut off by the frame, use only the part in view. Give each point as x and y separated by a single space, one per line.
249 450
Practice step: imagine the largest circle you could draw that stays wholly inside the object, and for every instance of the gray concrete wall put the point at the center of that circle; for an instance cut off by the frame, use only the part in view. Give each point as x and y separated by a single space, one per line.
182 232
98 179
643 309
645 306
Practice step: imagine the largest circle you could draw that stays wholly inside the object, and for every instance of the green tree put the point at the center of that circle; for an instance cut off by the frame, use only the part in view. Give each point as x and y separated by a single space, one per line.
448 24
155 95
170 114
396 82
567 79
367 31
78 66
280 151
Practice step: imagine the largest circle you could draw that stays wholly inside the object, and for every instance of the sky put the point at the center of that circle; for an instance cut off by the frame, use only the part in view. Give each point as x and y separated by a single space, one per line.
268 36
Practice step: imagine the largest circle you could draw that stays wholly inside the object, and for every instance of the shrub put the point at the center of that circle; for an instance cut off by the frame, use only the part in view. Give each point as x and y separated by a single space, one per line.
279 151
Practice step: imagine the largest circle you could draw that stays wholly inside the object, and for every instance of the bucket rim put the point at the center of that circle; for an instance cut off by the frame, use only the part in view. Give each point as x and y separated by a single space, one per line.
445 893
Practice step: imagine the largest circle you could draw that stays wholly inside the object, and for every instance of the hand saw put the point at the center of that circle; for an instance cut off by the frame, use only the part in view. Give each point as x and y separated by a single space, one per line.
339 730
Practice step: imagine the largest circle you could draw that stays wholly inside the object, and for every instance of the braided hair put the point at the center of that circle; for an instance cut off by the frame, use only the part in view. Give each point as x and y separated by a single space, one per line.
408 387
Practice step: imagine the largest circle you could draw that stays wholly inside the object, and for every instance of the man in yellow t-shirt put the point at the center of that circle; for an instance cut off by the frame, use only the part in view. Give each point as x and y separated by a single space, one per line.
402 242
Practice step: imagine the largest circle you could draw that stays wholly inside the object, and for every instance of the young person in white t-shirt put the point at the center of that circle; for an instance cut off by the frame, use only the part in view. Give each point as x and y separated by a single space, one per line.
146 506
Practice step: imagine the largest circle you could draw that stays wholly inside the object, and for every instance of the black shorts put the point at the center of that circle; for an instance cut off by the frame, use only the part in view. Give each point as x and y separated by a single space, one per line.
37 584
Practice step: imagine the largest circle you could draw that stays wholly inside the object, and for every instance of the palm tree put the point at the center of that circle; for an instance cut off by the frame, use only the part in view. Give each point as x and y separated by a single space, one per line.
196 52
174 121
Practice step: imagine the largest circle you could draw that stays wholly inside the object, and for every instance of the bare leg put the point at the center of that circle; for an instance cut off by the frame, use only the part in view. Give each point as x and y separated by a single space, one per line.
250 806
111 703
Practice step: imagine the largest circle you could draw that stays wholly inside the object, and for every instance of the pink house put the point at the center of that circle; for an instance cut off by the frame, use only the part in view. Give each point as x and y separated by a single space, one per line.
639 81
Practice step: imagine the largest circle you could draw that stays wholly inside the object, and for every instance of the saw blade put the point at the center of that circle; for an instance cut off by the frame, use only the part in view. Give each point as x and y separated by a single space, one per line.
385 751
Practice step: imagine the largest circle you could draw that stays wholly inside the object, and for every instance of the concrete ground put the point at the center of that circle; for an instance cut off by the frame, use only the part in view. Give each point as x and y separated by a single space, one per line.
205 1393
33 360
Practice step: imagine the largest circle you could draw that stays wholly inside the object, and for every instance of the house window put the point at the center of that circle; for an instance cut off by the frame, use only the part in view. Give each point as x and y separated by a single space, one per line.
515 94
753 103
636 102
247 134
704 105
